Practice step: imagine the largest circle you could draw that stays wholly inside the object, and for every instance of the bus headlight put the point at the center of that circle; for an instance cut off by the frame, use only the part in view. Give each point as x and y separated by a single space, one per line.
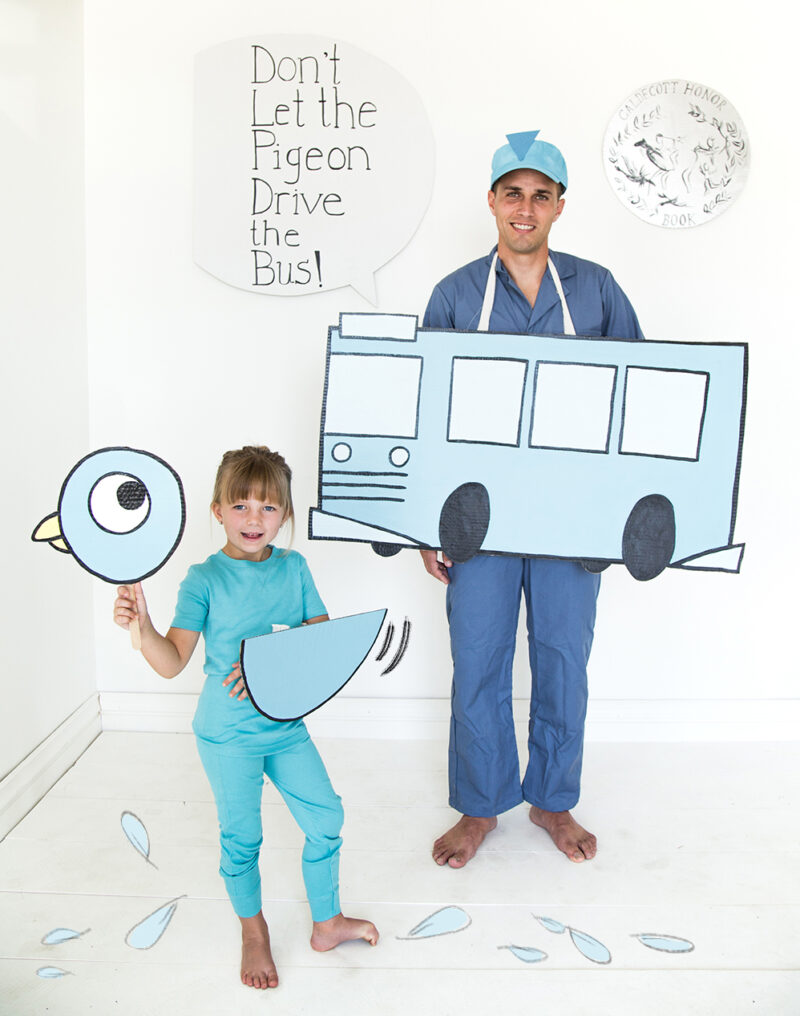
341 452
399 456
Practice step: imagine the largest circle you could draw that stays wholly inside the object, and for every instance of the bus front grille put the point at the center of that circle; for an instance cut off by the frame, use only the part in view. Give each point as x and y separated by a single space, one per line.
352 486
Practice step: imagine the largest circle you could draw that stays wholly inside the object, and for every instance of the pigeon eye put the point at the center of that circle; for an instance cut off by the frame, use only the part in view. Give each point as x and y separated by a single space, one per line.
119 502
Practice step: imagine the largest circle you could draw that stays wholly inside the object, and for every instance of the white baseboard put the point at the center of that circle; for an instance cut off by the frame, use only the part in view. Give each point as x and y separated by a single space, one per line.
29 781
428 719
154 712
679 720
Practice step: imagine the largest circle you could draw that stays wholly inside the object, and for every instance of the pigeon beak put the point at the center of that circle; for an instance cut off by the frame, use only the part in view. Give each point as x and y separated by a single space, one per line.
49 531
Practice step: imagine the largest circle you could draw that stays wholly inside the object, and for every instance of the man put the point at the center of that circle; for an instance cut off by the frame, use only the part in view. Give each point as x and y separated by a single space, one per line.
522 288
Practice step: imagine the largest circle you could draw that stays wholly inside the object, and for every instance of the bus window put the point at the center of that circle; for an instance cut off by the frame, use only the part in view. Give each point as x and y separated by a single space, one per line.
373 395
486 400
663 412
572 405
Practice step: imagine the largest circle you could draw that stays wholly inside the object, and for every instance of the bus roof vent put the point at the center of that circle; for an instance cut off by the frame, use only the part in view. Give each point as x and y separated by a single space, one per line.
401 327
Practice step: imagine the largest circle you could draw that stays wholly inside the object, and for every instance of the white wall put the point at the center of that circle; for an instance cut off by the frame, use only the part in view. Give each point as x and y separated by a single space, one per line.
47 651
185 366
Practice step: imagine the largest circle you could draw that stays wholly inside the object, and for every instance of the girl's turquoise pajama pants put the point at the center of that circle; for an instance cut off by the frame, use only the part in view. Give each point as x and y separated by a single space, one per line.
299 774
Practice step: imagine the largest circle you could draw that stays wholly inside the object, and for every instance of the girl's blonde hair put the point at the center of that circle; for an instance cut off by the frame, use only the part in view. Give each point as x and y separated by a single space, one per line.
255 471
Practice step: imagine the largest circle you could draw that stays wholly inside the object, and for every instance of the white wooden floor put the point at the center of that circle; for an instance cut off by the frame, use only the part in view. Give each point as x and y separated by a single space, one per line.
700 842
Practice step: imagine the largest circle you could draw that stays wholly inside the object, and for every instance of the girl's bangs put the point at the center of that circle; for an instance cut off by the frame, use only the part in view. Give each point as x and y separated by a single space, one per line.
256 480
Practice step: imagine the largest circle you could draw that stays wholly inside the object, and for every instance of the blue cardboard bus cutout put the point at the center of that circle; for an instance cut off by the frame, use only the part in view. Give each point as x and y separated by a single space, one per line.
591 449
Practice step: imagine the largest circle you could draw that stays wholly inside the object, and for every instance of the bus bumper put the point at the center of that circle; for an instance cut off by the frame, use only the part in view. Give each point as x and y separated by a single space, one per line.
727 559
324 526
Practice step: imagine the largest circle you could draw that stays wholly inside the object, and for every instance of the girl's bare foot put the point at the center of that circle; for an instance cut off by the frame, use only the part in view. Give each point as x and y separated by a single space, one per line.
460 844
571 838
258 968
328 934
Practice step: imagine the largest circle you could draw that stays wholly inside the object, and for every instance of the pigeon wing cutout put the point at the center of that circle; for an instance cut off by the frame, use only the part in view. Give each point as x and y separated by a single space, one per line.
290 673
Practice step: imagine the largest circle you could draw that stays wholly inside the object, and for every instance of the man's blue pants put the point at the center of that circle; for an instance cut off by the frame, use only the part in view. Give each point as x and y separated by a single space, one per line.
483 601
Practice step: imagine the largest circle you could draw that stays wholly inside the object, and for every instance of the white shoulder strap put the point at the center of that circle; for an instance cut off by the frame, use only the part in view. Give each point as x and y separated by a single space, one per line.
569 327
488 296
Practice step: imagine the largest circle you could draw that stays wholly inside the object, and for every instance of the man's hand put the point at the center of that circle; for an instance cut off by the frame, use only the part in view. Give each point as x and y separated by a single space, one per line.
436 567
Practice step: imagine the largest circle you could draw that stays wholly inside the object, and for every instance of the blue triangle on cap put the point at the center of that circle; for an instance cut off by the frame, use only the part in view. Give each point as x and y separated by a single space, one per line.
521 142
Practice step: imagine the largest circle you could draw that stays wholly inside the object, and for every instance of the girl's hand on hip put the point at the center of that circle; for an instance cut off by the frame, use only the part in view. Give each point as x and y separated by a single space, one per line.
239 688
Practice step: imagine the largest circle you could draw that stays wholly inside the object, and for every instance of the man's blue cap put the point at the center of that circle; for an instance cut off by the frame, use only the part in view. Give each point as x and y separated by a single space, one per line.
523 151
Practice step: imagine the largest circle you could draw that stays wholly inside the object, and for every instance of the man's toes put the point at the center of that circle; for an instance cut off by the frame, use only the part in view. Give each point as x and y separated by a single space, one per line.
441 852
584 850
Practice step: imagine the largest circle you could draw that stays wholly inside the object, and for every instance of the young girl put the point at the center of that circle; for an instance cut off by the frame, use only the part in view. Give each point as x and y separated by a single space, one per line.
239 592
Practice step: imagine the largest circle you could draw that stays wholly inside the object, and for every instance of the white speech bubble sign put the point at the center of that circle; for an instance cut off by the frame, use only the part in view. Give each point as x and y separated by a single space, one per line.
314 164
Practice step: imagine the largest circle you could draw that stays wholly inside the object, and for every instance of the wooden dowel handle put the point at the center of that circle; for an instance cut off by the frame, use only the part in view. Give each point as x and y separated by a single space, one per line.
136 636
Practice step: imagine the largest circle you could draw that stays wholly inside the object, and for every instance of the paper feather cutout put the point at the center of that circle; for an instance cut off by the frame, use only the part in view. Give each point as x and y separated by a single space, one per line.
585 944
134 829
446 921
666 943
525 953
59 935
590 947
147 932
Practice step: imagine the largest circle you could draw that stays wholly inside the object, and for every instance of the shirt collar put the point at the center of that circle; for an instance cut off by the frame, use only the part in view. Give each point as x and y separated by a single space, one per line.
547 297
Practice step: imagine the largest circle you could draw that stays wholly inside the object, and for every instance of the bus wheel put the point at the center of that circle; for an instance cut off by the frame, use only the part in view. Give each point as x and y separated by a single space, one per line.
595 567
648 541
386 549
463 521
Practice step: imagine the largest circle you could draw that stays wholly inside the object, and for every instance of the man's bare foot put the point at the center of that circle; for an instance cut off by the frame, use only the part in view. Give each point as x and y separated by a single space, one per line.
258 968
460 844
571 838
328 934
